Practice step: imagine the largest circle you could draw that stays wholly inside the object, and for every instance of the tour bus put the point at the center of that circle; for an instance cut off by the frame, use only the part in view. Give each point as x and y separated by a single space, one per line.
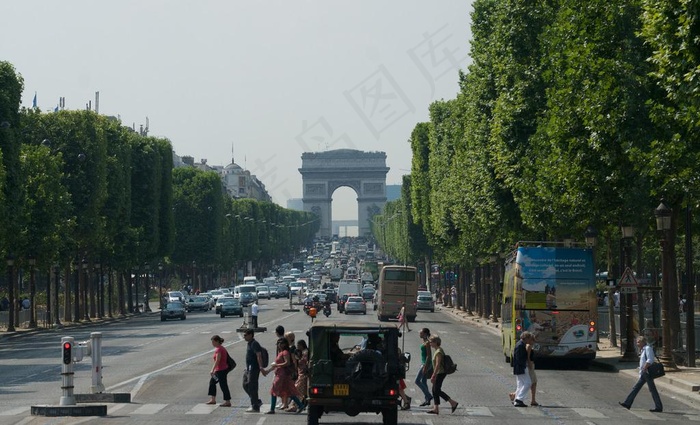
549 289
398 285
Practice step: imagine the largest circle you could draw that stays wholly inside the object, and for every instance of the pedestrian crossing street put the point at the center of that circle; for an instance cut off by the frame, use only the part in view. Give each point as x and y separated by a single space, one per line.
419 414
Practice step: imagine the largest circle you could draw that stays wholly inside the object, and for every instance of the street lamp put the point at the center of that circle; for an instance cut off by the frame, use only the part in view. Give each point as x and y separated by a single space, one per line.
496 272
663 225
100 291
146 296
57 286
86 315
630 354
591 235
32 291
11 292
160 285
194 287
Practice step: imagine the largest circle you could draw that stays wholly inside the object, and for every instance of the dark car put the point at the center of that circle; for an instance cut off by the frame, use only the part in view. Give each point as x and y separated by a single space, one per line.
231 307
197 303
173 310
354 367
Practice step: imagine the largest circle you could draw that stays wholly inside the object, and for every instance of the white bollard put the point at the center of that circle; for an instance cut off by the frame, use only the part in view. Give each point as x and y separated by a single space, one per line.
97 386
67 397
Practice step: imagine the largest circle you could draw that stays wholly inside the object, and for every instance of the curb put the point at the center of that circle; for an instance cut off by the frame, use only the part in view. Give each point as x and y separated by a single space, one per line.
71 325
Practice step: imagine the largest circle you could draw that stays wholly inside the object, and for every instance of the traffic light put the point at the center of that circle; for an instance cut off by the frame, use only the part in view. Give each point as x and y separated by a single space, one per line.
67 353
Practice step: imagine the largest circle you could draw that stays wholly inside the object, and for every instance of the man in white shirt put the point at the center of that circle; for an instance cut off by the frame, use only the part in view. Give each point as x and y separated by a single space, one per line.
254 314
646 358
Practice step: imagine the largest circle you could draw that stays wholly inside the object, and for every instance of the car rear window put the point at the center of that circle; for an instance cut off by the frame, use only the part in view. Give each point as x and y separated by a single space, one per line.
355 299
425 298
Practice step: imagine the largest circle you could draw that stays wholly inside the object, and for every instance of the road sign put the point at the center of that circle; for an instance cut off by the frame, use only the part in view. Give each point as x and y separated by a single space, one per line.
628 279
628 289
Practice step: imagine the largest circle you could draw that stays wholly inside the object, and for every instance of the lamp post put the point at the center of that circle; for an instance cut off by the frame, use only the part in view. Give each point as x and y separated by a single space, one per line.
146 295
630 355
57 286
663 225
32 291
591 237
11 292
195 287
100 291
160 285
496 272
84 276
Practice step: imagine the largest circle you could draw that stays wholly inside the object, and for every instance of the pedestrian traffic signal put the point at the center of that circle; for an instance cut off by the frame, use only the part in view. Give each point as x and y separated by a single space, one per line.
67 353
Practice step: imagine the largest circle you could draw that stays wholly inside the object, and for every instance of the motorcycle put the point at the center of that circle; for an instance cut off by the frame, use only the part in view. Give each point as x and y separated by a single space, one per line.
327 310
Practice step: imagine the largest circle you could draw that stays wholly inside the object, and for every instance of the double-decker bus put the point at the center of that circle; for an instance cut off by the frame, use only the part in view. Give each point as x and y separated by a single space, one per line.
398 285
549 290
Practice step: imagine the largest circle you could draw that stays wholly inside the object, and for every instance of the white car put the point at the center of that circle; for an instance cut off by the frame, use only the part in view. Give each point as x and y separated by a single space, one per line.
264 292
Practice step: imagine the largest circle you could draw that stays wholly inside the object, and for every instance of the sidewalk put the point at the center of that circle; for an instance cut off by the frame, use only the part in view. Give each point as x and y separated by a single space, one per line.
685 381
66 327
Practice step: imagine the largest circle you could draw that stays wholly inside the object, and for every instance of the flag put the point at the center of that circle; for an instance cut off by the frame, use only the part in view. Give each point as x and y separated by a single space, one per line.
55 109
34 101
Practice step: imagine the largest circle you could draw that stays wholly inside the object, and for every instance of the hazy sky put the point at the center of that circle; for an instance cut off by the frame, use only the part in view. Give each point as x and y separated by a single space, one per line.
273 79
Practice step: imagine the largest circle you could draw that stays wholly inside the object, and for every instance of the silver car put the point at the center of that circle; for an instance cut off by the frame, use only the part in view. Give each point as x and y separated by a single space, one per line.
425 302
355 305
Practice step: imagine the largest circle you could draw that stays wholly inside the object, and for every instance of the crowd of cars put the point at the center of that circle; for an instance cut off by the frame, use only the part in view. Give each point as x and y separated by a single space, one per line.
315 283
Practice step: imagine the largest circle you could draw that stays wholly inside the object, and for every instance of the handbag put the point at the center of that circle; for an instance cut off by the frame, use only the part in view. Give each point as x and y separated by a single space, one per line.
656 370
230 363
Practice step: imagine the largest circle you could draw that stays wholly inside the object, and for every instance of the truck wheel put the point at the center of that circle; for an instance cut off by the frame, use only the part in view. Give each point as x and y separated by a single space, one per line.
314 414
390 416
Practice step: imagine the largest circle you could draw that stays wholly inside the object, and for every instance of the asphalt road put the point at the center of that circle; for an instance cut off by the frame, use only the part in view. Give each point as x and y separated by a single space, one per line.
164 365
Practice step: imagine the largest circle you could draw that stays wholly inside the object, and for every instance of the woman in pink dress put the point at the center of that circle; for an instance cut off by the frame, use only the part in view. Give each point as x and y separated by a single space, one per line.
302 355
283 384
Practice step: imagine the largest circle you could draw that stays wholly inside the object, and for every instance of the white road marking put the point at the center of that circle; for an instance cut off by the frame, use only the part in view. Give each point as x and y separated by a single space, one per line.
15 411
589 413
642 414
149 409
529 412
145 376
202 409
478 411
261 421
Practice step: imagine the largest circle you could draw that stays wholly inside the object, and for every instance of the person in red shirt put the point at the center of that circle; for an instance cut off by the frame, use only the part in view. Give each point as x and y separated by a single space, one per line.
219 372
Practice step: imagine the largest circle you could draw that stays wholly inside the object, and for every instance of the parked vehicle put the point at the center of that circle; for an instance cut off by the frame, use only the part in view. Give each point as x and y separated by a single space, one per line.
173 310
231 307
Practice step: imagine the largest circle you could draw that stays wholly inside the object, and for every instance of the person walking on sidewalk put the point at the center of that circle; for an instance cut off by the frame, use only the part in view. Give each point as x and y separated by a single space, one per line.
522 378
426 368
646 358
219 372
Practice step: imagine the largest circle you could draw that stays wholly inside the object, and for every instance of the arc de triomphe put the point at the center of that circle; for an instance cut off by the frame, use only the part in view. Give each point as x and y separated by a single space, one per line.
324 172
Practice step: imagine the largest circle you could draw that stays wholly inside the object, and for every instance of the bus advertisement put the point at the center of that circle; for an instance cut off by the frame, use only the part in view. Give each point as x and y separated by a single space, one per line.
550 291
398 285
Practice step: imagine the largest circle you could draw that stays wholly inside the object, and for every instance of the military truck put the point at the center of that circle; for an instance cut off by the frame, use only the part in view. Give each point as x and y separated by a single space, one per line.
354 367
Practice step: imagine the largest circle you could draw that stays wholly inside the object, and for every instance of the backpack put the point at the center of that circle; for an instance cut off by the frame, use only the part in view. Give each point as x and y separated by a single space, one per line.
230 362
450 366
265 356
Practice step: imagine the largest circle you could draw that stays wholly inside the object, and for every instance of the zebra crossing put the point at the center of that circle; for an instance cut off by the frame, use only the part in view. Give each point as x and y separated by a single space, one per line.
145 409
417 413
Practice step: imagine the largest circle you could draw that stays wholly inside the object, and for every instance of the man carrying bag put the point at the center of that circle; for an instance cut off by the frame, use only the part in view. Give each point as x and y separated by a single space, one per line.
646 359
